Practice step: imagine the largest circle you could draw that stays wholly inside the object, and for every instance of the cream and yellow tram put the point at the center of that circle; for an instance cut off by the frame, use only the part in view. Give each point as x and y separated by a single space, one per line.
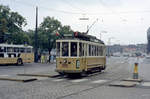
80 53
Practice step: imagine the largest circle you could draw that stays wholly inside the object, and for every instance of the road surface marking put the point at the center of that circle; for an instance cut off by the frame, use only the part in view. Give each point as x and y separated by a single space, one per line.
42 78
99 81
4 75
78 80
57 80
147 84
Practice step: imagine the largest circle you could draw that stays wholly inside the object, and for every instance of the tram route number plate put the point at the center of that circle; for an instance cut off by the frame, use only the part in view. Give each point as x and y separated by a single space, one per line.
64 65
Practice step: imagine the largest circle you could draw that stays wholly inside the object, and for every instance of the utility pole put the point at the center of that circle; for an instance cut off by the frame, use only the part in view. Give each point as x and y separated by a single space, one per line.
35 38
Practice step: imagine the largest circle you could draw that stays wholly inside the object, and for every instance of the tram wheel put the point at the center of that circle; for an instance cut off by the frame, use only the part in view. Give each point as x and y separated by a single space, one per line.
19 61
83 74
100 69
104 67
61 73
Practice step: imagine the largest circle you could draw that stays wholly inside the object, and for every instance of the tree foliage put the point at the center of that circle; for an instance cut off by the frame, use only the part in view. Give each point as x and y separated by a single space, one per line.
11 24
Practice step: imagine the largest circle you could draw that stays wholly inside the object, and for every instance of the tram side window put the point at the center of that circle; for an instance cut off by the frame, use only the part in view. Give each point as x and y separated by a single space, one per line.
96 54
90 52
103 51
73 48
85 47
100 51
58 48
81 49
65 49
93 50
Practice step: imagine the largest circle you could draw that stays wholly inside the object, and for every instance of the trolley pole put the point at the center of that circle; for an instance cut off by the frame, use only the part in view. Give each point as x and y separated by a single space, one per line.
35 38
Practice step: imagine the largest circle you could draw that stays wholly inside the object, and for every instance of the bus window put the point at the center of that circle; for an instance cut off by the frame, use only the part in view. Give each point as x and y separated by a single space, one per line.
1 49
58 48
28 50
65 49
16 49
9 55
73 48
5 49
10 49
14 55
22 50
1 55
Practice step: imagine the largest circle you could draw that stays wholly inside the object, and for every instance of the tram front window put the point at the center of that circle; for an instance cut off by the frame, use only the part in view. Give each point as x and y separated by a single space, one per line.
65 49
73 48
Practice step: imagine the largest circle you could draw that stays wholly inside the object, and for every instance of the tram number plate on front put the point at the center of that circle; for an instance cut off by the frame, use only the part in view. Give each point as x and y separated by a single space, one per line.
64 65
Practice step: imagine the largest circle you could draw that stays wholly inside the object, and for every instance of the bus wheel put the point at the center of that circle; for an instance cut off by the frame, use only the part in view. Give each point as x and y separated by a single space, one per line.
19 62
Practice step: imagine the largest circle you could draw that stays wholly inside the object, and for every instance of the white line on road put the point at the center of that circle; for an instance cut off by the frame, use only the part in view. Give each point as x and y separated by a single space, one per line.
4 75
57 80
78 80
99 81
42 78
147 84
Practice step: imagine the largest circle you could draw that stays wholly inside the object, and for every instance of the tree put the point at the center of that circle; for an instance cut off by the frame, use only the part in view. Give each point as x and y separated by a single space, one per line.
11 23
47 32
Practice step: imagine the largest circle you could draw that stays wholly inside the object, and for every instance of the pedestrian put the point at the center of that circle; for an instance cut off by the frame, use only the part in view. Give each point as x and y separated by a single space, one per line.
42 59
52 58
39 58
47 58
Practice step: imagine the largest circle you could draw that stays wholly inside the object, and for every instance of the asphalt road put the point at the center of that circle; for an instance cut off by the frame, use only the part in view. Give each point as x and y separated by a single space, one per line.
95 86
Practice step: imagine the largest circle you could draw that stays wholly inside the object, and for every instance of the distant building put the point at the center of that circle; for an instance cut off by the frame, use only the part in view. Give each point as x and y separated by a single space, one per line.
148 39
126 49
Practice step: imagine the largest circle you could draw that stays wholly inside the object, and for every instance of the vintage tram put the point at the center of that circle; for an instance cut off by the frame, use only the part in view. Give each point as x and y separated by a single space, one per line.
79 53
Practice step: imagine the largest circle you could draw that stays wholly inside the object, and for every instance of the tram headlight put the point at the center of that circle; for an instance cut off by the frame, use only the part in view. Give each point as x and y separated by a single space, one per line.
77 63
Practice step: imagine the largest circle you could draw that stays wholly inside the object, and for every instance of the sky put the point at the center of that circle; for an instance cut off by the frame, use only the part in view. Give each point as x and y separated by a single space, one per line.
124 21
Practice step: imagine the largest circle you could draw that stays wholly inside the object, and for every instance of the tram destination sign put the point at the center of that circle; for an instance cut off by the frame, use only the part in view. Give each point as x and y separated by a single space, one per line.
68 34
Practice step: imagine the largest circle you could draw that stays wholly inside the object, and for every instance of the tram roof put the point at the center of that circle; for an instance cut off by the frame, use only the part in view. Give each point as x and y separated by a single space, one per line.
12 45
81 36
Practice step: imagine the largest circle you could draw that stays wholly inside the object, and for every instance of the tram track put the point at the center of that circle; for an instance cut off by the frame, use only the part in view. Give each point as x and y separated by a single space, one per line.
115 74
93 87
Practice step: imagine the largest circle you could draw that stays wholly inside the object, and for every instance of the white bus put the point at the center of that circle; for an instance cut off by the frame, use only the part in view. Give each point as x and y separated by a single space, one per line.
16 54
